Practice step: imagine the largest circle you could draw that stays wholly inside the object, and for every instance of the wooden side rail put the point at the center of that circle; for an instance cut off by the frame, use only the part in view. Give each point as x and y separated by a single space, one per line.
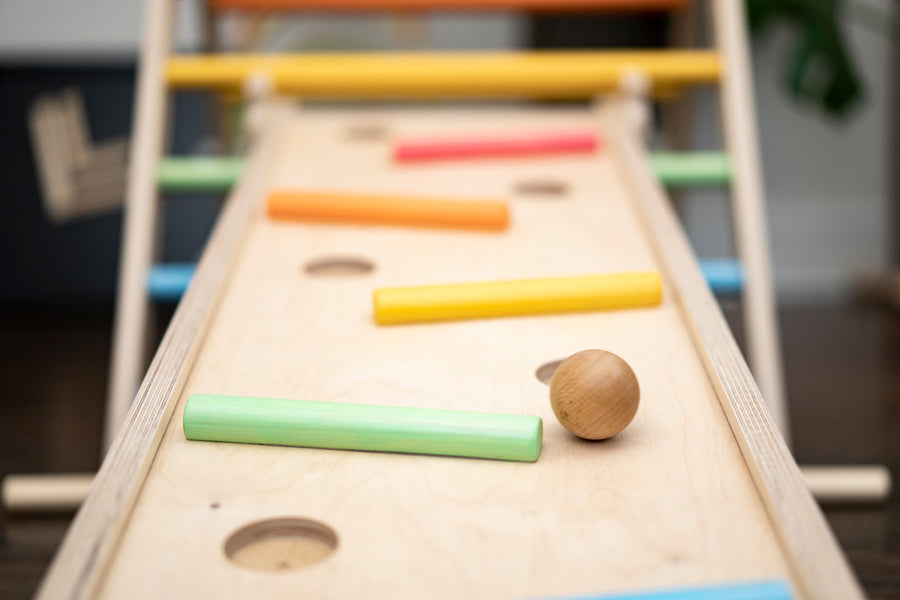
537 74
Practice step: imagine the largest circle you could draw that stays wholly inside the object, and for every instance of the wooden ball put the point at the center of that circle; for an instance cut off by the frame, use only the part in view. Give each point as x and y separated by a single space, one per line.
594 394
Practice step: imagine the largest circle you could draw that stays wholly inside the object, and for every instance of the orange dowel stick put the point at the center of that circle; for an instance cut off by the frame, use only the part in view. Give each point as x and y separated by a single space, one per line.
387 210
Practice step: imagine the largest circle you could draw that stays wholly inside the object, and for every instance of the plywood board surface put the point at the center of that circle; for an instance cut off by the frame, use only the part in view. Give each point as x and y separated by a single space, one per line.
667 502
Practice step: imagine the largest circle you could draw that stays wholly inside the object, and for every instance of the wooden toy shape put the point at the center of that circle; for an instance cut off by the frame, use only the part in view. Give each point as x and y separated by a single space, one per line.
594 394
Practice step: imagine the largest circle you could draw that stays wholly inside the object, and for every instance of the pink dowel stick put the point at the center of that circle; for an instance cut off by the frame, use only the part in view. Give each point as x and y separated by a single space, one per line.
485 147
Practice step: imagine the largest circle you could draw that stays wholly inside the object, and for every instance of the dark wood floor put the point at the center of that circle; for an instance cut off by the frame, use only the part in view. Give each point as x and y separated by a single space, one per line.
843 375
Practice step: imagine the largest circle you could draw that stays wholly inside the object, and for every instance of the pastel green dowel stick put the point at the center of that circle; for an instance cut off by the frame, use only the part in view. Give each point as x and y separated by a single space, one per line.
217 418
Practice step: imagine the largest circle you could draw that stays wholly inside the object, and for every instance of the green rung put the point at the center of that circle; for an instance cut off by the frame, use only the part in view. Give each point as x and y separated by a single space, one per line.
198 173
677 169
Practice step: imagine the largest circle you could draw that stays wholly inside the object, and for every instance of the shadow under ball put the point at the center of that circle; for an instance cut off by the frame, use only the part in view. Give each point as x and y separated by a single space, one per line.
594 394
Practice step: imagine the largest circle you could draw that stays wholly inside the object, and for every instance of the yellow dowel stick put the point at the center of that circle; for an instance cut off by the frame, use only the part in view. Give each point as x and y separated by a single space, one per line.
517 297
560 74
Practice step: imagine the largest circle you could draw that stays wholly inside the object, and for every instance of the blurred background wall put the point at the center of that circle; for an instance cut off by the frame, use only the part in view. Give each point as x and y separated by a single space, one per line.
828 182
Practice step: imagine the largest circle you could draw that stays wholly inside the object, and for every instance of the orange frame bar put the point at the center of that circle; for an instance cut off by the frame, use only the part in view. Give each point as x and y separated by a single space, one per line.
466 5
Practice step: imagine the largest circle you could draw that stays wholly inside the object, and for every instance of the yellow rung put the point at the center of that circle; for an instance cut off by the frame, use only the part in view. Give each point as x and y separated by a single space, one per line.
516 297
424 75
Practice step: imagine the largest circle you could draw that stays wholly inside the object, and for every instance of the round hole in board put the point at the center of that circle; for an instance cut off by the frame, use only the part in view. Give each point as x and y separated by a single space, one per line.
541 187
545 372
338 266
281 544
366 132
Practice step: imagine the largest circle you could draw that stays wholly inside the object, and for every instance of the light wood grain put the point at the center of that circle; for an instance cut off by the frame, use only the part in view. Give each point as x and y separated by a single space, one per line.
670 501
139 226
820 568
594 394
82 557
748 205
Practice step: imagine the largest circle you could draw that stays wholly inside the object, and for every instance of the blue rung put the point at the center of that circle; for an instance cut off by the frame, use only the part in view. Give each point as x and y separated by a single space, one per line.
725 277
753 590
169 281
